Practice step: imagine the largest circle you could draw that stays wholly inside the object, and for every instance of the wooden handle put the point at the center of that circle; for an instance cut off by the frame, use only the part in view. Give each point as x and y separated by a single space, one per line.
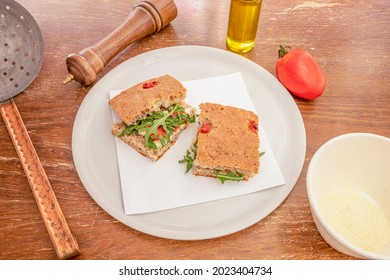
147 17
64 242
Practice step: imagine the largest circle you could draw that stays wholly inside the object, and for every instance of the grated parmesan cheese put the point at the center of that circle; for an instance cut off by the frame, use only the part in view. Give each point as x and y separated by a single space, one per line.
357 218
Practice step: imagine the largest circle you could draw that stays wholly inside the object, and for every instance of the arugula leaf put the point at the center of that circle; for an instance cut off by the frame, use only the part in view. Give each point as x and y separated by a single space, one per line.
228 176
152 130
150 144
165 118
130 129
261 154
190 157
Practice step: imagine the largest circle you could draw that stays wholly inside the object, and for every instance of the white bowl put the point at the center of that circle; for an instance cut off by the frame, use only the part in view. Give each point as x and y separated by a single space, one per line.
348 186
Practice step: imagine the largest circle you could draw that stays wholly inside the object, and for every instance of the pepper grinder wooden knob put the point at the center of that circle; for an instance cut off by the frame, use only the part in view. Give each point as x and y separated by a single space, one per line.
147 17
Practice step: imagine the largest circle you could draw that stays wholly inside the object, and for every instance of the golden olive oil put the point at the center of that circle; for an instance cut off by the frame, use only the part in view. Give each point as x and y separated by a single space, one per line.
242 27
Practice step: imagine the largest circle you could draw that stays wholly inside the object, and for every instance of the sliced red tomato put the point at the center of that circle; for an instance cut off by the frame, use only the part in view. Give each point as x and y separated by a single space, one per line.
175 114
300 73
253 126
149 84
205 128
160 131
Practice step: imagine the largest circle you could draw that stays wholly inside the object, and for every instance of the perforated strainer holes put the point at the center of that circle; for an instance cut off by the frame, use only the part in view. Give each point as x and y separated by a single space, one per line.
21 49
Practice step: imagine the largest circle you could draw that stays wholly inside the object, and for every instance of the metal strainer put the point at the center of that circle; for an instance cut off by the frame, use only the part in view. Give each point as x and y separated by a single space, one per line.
21 49
21 57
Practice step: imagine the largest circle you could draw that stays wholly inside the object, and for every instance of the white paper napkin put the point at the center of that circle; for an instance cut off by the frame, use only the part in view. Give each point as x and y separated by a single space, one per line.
154 186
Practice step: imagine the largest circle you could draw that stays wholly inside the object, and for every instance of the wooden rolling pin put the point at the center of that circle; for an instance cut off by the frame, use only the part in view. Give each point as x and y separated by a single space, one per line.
147 17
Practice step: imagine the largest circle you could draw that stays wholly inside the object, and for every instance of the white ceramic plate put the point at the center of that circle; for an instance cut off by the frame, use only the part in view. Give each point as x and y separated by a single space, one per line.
94 150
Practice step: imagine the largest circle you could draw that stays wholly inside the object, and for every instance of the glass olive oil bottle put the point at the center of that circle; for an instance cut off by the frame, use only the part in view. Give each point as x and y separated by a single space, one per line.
242 27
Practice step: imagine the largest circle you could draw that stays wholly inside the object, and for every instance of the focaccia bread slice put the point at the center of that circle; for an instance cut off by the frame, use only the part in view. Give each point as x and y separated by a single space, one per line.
147 97
153 114
227 142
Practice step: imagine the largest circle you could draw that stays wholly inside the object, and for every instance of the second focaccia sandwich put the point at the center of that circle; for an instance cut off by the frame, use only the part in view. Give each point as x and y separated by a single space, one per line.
227 144
153 113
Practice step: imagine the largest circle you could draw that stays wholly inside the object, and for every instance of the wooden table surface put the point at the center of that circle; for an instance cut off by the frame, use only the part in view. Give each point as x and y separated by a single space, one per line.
349 39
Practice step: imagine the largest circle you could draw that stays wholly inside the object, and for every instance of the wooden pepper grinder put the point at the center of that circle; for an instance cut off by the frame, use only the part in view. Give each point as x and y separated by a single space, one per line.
147 17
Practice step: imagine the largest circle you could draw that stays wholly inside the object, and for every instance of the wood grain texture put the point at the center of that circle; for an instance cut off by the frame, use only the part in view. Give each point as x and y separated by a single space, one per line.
350 41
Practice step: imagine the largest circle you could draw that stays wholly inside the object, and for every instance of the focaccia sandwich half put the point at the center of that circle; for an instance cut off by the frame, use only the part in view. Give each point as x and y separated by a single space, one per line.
227 144
153 113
